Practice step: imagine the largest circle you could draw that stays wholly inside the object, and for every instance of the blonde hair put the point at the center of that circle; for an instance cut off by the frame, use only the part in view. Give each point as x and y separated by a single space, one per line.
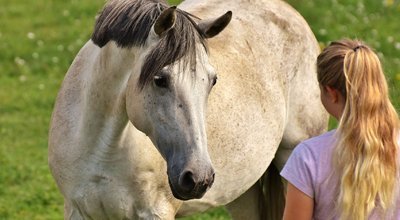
366 152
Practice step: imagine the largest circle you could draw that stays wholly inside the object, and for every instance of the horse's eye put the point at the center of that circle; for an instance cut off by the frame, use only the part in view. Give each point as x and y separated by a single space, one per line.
161 81
214 81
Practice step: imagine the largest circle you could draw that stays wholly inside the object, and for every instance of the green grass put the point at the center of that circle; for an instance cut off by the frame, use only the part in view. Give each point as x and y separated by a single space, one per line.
38 41
373 21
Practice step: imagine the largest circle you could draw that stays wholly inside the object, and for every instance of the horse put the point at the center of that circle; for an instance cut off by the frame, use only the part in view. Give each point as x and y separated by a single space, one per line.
158 117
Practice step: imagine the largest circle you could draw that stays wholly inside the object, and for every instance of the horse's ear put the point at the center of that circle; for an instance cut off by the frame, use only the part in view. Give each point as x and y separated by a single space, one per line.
165 21
213 27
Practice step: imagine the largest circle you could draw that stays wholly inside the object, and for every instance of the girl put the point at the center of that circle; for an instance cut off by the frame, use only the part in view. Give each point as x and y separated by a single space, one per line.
352 172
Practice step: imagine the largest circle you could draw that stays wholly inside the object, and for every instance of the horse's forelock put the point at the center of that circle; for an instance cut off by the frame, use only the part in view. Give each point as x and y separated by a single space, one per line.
128 23
178 44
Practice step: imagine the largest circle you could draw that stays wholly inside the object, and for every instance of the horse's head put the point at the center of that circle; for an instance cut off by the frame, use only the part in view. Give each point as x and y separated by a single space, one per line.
167 92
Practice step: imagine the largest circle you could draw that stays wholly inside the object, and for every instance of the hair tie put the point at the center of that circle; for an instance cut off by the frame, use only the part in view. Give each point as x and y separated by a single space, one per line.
356 48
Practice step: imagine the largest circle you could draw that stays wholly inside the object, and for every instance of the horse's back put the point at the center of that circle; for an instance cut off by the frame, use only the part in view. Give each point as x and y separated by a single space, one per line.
266 73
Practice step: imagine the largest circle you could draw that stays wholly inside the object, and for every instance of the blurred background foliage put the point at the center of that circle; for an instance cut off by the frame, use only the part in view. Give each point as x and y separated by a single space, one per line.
39 40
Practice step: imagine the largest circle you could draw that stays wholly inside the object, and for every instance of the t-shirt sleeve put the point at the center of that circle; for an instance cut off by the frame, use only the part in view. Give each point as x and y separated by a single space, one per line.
299 170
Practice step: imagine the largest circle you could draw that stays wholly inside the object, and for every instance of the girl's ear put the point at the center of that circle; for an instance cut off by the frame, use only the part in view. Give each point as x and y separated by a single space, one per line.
333 94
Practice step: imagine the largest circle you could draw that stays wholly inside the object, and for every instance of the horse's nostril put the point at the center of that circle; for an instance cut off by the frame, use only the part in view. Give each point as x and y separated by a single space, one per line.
210 183
186 181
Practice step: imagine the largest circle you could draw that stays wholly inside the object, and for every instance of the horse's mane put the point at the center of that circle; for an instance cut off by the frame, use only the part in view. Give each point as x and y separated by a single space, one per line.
128 23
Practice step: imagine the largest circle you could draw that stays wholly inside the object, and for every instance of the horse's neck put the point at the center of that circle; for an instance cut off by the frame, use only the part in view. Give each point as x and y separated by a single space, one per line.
103 97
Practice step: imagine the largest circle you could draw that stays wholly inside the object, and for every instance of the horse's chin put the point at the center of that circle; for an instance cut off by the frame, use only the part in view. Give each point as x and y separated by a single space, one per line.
188 196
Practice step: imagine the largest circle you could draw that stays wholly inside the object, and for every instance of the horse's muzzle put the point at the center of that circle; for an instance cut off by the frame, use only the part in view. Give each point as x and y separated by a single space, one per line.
188 185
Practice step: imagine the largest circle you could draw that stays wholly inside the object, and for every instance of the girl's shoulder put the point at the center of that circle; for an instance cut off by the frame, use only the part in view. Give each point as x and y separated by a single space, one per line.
318 143
327 136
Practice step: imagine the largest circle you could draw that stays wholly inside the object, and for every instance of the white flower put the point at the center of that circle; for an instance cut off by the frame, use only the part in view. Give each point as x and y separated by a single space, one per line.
65 13
35 55
19 61
22 78
323 31
40 43
31 35
79 41
71 48
55 59
60 47
397 45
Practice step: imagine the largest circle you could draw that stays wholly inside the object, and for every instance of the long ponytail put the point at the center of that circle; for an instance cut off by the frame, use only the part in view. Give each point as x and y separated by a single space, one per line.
366 156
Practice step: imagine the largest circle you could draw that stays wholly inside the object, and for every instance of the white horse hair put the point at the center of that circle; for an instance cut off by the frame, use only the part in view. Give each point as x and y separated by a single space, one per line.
141 130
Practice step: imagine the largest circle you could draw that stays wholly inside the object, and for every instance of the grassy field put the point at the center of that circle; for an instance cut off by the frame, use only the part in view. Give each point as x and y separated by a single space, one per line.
38 41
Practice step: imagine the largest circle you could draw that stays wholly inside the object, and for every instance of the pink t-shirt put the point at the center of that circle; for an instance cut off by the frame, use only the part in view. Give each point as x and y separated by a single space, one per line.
309 169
